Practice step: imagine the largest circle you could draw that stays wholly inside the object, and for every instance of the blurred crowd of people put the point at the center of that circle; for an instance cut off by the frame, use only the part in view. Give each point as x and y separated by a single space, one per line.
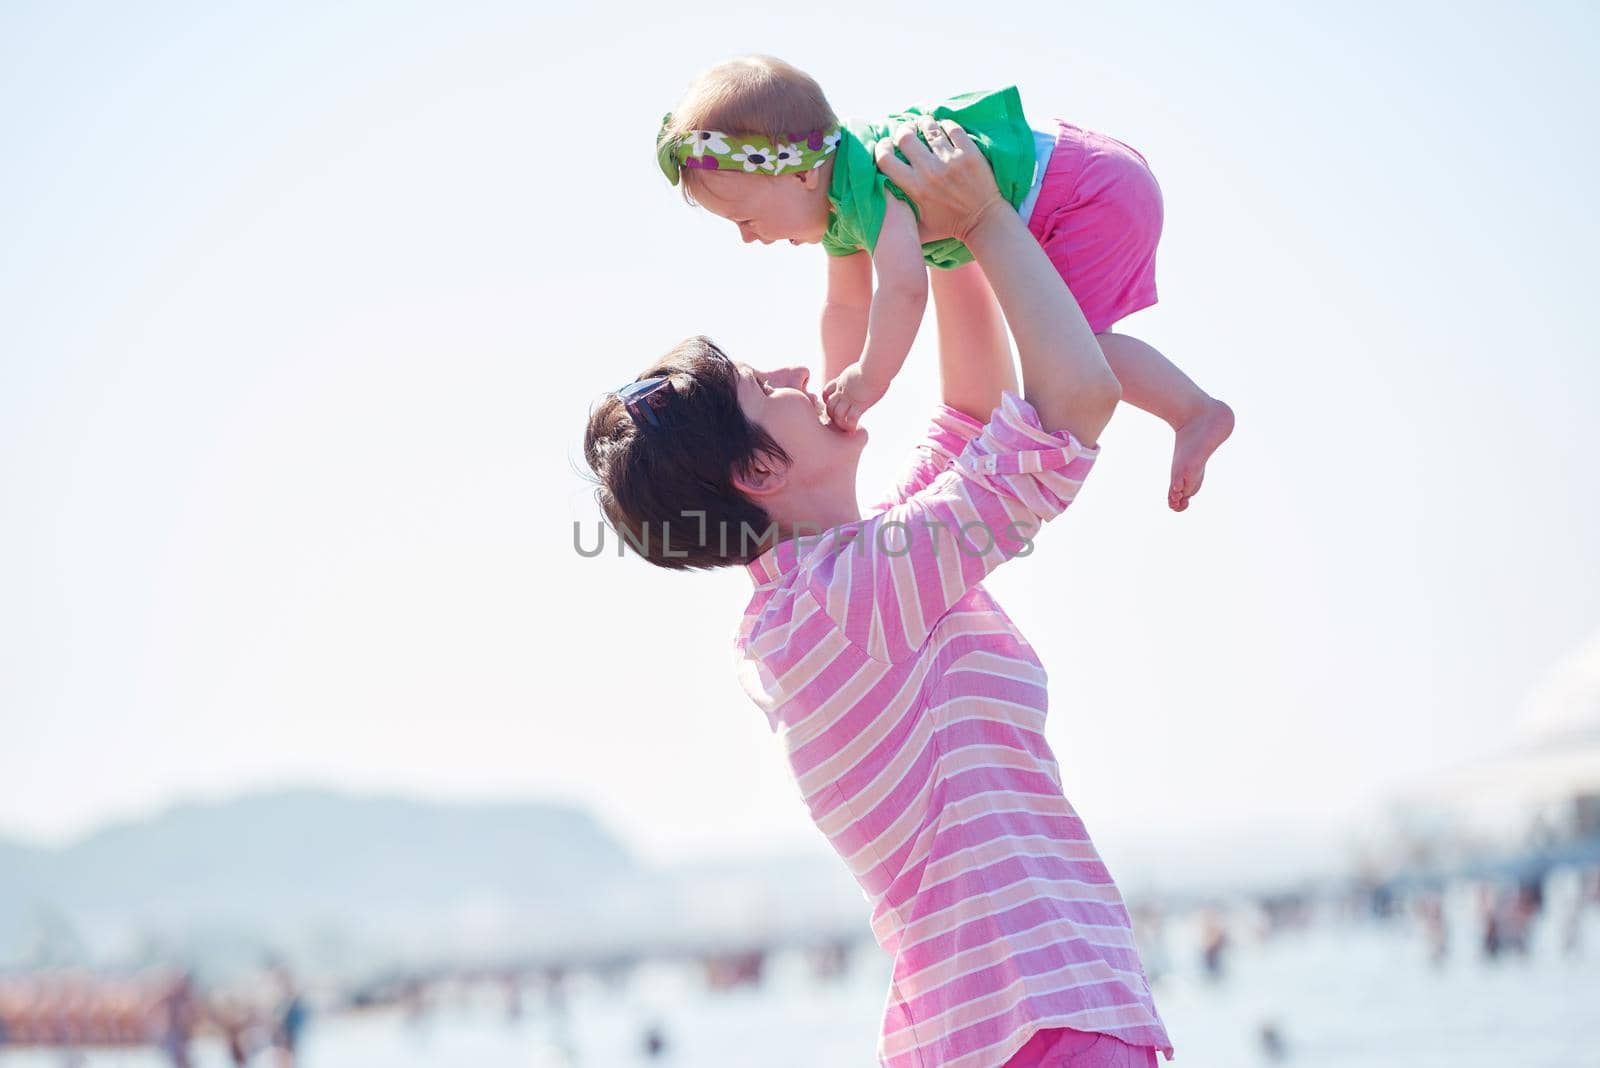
260 1022
164 1009
1479 921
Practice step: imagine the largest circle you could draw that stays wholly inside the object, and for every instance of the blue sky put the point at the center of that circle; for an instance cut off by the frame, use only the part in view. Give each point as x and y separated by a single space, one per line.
301 310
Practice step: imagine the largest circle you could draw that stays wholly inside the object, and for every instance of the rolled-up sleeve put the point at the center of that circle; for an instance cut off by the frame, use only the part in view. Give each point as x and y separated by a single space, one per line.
946 437
888 580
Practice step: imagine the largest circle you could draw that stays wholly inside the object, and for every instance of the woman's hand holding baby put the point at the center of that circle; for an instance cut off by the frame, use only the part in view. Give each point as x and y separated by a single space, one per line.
954 190
1064 371
947 177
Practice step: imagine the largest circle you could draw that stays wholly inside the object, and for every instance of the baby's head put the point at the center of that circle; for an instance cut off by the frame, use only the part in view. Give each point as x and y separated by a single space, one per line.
779 191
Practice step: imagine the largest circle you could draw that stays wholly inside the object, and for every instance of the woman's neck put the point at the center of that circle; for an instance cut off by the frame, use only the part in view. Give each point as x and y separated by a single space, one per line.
815 513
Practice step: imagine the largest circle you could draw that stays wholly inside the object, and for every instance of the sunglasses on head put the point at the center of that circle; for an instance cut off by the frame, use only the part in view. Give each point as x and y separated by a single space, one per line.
635 397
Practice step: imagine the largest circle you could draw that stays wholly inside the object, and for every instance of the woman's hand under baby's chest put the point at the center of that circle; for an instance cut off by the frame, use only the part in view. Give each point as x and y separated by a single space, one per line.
926 234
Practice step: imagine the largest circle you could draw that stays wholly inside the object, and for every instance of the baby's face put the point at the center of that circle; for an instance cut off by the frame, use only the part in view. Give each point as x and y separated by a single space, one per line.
768 208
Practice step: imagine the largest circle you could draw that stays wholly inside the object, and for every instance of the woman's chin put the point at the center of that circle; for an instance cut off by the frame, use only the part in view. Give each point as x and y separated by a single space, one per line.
858 434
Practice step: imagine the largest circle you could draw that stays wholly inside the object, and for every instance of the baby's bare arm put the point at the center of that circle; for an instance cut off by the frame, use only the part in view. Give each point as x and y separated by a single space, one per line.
844 315
900 298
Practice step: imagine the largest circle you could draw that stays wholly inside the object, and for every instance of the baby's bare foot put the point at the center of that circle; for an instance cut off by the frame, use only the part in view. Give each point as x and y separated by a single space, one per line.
1197 440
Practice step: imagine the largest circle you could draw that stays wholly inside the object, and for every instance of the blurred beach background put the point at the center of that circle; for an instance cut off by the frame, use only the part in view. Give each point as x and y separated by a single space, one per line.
317 730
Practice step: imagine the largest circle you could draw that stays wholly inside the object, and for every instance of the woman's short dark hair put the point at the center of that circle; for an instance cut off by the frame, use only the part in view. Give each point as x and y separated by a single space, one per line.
667 487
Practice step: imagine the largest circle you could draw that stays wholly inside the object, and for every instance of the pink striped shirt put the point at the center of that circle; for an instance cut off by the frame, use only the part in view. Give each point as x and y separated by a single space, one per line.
912 713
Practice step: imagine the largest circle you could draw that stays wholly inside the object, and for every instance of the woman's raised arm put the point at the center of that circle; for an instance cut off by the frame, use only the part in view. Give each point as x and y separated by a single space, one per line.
975 363
1064 374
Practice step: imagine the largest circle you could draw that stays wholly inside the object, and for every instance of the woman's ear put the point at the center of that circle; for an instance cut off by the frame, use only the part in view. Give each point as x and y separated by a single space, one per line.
764 477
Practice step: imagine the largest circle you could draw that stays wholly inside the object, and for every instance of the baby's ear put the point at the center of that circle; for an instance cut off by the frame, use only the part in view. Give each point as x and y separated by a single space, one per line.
811 179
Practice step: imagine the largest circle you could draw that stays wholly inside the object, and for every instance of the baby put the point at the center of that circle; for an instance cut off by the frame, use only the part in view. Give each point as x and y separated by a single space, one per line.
755 141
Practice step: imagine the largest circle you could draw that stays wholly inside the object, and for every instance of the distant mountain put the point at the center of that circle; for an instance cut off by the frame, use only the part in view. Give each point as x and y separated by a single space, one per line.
346 883
282 860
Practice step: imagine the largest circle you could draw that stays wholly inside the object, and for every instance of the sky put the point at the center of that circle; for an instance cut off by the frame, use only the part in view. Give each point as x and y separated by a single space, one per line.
302 308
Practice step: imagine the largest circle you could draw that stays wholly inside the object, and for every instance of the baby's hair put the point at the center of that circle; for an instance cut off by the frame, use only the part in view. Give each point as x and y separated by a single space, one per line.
749 95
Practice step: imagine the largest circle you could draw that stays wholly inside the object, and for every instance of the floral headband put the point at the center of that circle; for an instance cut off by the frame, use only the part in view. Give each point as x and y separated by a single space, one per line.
709 150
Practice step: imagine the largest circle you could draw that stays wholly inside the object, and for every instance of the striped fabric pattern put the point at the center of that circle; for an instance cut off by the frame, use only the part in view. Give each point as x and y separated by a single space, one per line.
912 712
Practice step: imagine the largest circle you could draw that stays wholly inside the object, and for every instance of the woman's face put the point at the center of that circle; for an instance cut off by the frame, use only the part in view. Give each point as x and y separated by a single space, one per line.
779 403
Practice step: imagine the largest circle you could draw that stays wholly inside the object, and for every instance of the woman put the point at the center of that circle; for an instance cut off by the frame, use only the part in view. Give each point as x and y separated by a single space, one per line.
910 708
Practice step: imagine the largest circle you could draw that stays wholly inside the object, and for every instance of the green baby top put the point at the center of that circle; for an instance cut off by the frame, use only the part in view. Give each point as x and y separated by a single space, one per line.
993 120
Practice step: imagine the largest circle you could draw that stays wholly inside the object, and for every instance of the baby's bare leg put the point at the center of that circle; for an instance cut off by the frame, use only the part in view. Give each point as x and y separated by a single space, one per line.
1154 384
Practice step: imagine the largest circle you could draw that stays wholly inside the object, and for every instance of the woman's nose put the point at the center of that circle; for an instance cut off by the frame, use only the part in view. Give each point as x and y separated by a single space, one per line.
795 377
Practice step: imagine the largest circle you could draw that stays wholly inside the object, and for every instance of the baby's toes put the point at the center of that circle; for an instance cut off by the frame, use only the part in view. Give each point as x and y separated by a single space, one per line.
1186 479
